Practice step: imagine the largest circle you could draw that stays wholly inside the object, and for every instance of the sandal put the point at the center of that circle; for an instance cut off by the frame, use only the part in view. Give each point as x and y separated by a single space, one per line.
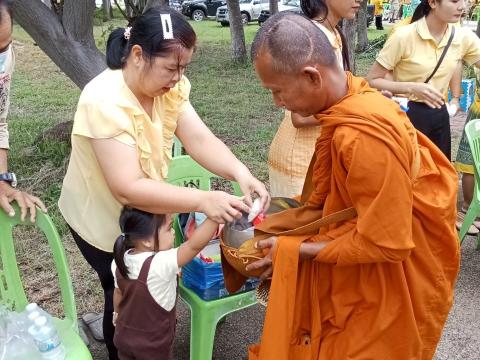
94 323
472 230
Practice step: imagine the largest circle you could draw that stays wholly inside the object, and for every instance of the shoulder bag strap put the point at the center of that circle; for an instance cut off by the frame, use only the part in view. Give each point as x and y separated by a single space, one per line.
452 34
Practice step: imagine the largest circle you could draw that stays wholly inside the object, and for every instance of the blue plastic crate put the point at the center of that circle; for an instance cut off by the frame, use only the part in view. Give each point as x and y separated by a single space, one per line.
206 279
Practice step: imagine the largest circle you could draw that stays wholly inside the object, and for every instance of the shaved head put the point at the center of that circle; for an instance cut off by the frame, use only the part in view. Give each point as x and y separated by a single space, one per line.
292 41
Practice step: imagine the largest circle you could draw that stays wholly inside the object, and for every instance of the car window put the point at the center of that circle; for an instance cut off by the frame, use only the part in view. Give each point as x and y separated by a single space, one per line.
265 1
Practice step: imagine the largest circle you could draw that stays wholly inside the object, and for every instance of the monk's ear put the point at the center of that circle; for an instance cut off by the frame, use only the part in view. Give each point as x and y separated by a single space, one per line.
313 75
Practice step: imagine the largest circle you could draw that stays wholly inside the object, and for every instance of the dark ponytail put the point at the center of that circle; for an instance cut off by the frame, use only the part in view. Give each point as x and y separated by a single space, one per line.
116 49
147 32
135 225
345 51
422 10
314 8
119 249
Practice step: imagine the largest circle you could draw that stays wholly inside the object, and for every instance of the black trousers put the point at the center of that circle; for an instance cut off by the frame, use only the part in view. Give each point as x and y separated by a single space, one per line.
378 22
434 123
101 262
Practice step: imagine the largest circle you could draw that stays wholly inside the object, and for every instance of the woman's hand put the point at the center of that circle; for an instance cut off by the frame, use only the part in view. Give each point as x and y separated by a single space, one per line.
26 202
453 106
266 263
428 94
222 207
249 184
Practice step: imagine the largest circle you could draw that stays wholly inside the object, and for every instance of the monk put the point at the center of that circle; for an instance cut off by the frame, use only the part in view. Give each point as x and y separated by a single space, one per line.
378 286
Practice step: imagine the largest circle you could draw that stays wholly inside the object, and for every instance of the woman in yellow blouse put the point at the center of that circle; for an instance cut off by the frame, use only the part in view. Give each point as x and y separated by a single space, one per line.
293 145
122 140
411 55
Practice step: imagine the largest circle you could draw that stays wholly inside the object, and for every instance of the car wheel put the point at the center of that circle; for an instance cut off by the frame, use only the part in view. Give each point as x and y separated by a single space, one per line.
198 15
245 18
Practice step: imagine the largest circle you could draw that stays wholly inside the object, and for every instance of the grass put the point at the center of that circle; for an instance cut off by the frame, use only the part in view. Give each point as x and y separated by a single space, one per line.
227 96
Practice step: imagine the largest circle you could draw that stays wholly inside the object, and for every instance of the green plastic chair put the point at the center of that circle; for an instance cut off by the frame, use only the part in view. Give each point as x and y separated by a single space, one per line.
12 294
177 147
472 130
205 315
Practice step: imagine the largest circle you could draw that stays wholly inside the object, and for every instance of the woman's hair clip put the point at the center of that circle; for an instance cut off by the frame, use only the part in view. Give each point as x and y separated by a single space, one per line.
167 27
126 33
122 235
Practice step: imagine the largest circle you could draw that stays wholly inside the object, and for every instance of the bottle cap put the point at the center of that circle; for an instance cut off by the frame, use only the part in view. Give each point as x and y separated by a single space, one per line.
32 307
33 315
40 321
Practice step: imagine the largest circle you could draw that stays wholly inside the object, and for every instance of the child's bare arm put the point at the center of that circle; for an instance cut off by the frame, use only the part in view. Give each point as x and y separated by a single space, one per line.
200 238
117 297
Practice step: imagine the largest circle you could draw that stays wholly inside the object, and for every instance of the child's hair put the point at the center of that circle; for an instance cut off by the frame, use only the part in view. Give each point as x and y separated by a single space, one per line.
135 225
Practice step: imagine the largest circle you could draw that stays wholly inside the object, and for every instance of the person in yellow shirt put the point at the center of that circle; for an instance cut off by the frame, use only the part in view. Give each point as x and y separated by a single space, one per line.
411 55
378 14
122 139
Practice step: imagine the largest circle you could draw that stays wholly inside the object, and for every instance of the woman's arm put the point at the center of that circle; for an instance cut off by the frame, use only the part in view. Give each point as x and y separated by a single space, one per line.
210 152
125 179
380 78
299 121
456 85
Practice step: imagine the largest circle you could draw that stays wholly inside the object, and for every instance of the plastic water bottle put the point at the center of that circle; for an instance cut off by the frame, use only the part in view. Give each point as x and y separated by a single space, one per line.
33 307
47 340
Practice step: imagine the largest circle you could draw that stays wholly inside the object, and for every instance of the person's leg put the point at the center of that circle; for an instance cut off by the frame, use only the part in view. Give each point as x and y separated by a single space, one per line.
378 22
101 262
440 134
468 185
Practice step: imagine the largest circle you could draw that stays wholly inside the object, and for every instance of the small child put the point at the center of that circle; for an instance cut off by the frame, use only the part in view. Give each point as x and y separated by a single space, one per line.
145 271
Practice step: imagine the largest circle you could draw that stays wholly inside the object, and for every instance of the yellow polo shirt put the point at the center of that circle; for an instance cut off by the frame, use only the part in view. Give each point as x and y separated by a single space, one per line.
107 109
412 53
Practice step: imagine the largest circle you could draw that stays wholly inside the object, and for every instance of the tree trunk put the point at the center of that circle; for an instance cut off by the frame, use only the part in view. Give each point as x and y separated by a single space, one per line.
362 31
67 40
239 51
107 10
350 30
273 6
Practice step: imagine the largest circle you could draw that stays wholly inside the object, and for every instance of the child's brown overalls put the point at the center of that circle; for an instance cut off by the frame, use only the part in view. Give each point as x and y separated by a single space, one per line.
144 329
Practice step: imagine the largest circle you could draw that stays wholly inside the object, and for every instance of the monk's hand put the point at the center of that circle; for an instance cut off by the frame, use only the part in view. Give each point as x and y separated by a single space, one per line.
428 94
266 263
249 184
222 207
26 202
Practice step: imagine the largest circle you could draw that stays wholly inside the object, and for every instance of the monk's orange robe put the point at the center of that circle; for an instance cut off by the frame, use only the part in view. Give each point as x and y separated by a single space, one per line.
382 287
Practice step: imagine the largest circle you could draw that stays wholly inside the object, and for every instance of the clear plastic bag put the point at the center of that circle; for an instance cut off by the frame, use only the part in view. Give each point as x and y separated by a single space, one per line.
15 342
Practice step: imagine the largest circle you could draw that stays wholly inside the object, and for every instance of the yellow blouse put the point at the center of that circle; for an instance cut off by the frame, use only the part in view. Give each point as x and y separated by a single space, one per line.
108 109
412 53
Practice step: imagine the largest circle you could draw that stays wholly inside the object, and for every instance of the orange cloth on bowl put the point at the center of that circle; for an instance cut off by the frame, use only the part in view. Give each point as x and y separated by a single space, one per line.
383 285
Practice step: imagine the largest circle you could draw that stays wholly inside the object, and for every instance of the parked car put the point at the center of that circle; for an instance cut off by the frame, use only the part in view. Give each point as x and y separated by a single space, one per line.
293 5
285 5
198 10
250 11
